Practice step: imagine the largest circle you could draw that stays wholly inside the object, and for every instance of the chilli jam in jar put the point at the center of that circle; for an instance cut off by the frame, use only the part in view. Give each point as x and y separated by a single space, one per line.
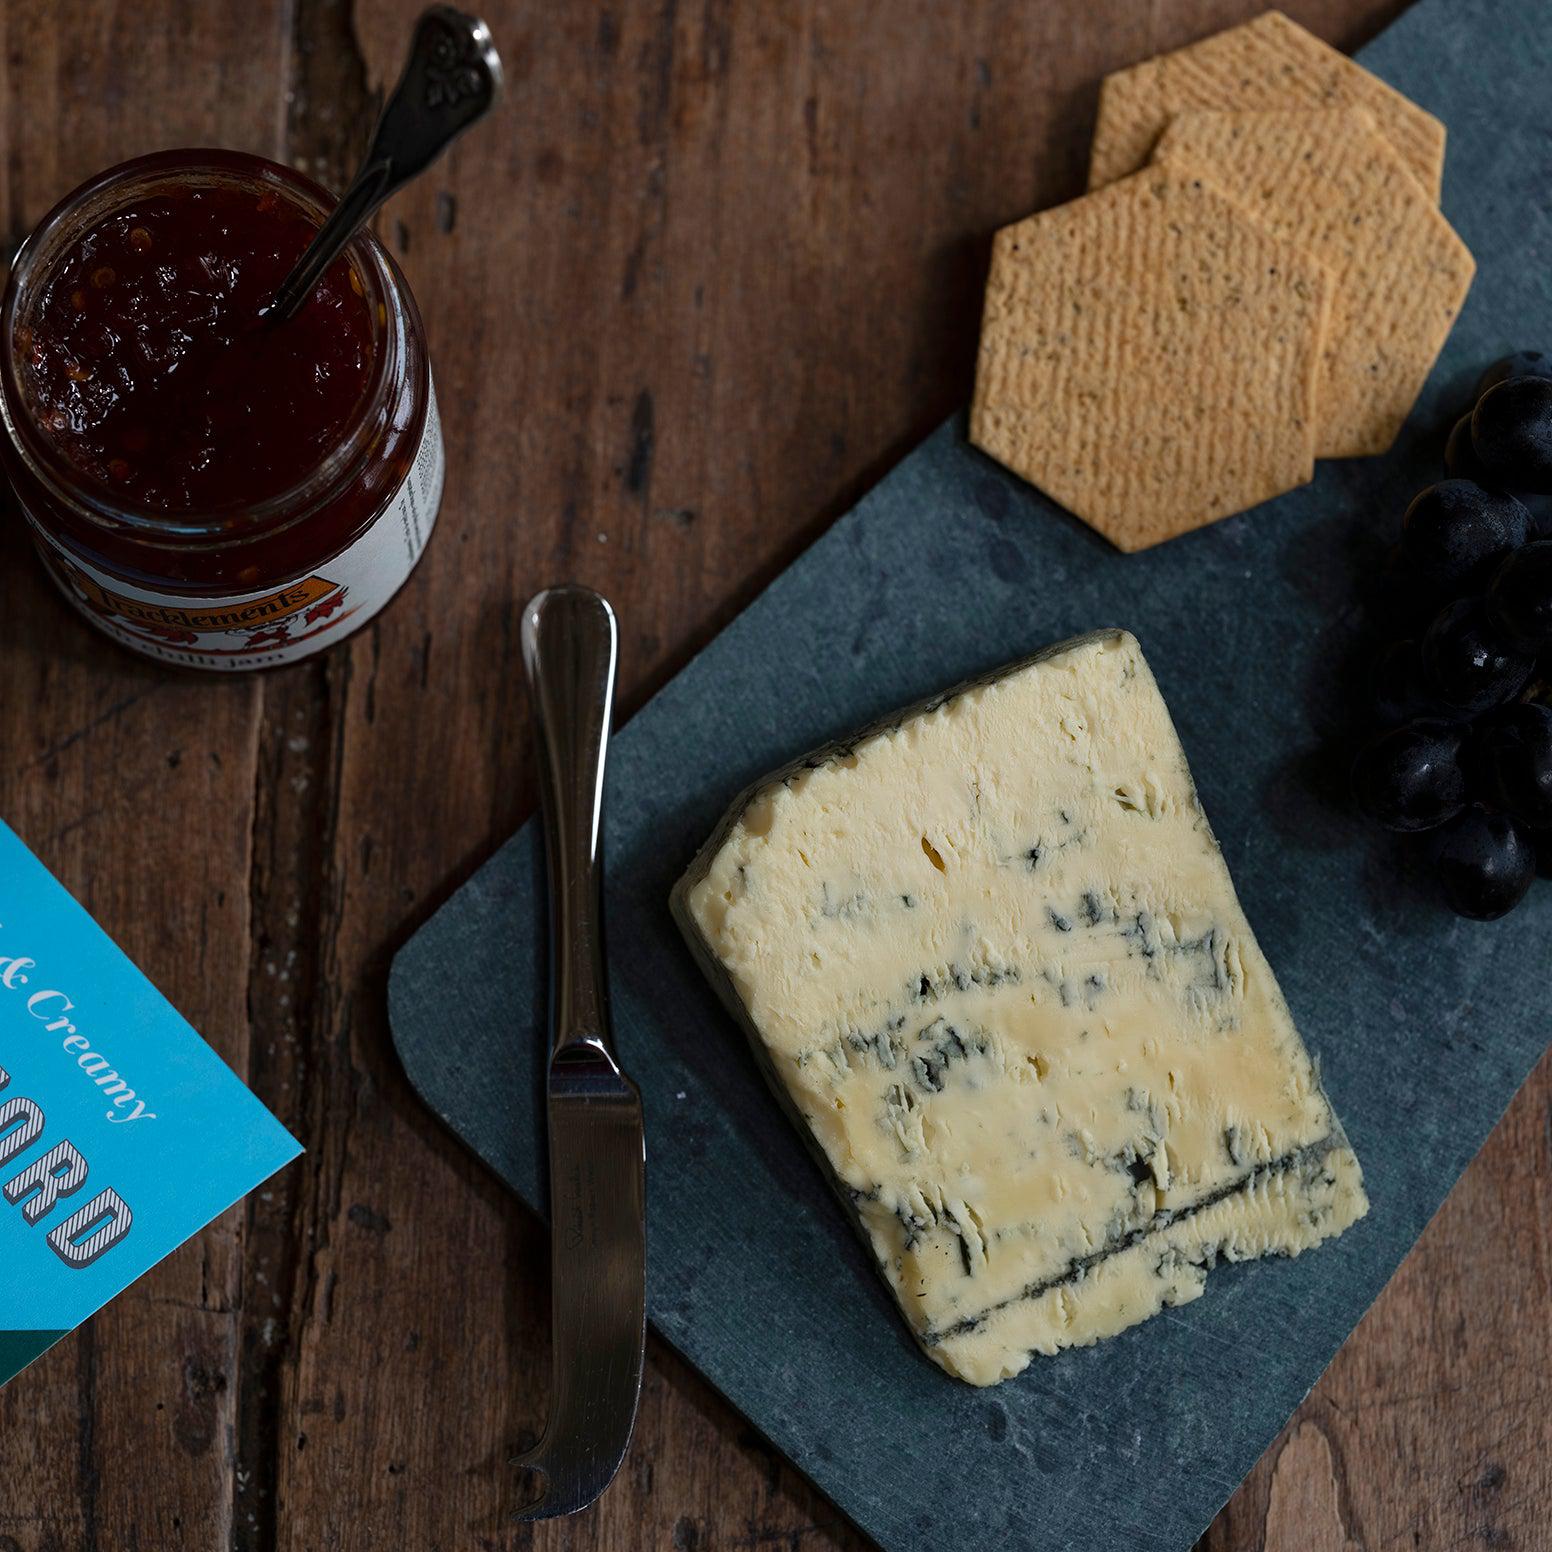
209 488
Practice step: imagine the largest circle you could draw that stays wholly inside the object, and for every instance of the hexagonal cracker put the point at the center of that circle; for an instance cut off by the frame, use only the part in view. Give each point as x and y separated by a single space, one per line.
1148 357
1270 62
1329 181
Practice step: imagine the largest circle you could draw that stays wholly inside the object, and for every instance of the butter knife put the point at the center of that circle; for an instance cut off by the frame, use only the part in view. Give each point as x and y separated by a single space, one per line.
598 1241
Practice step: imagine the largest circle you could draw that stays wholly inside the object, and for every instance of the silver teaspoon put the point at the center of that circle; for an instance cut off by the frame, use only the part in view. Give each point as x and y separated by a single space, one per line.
451 79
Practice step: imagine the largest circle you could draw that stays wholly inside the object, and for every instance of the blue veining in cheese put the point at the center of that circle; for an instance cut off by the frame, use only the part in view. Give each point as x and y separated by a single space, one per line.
990 956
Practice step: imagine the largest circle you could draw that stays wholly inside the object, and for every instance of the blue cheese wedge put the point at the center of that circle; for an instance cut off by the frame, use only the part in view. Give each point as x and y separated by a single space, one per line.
990 957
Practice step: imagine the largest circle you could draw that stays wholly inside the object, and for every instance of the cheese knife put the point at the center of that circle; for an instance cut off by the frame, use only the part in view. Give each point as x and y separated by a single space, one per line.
597 1149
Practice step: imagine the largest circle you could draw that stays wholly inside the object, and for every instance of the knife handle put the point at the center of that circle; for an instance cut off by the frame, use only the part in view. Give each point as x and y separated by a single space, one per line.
570 647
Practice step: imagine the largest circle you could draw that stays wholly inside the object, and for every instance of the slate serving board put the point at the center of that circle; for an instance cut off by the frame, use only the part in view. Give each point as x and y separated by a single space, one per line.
1425 1025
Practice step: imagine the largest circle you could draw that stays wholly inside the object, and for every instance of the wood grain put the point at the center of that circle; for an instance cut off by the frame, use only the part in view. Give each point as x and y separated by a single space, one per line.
711 271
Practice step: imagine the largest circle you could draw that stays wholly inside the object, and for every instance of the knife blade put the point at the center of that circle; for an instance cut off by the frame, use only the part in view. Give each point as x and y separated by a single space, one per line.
597 1143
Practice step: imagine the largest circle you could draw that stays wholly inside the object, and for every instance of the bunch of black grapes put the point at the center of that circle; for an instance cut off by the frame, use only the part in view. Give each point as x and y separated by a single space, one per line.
1464 691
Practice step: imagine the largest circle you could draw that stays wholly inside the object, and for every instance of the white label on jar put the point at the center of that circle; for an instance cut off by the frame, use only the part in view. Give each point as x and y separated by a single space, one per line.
278 624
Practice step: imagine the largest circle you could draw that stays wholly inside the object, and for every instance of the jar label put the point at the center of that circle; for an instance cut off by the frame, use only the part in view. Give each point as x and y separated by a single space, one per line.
279 624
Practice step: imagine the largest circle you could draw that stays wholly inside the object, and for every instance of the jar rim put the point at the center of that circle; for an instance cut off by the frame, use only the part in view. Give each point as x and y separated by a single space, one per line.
96 198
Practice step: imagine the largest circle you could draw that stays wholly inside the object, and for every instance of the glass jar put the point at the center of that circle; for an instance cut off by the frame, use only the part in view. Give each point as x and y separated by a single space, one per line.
210 489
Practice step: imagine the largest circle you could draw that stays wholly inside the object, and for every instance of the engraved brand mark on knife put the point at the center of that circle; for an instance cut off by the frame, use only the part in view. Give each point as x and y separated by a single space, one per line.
583 1197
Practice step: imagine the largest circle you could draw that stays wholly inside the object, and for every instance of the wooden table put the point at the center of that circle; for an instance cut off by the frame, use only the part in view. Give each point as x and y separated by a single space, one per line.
713 270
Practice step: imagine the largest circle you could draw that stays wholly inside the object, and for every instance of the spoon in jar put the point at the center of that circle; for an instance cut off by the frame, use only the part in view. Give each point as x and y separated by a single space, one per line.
451 79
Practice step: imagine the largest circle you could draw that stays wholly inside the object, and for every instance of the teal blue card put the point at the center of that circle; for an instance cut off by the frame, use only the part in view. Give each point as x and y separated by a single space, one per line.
121 1132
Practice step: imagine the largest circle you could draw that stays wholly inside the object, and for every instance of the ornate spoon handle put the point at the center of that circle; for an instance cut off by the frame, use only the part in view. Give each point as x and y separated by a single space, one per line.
451 79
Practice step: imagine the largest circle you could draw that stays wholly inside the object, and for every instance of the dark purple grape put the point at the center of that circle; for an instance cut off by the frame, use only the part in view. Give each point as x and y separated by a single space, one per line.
1398 685
1523 363
1456 532
1399 600
1461 463
1511 432
1519 598
1540 509
1512 751
1410 777
1460 457
1470 666
1486 863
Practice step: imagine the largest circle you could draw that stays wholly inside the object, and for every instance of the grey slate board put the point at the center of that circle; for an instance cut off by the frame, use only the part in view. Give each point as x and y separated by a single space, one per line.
1425 1025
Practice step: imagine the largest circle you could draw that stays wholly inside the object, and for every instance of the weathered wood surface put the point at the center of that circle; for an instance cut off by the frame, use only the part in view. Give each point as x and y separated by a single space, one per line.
713 269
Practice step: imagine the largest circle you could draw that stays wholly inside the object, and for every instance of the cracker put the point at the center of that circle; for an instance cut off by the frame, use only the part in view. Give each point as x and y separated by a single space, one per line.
1329 181
1267 63
1148 357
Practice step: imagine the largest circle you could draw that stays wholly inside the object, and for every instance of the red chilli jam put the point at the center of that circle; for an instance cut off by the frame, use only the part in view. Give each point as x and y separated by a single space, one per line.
209 488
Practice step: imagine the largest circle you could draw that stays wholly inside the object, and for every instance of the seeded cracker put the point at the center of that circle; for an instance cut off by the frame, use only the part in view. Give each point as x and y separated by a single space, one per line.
1331 183
1268 63
1148 357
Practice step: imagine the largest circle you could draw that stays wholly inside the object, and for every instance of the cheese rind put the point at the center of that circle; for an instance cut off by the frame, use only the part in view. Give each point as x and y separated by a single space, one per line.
990 958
